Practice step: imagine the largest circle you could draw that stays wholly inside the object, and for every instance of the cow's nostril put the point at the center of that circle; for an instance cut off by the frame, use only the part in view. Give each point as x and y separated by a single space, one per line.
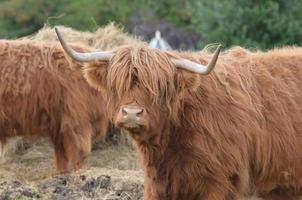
131 112
124 112
139 113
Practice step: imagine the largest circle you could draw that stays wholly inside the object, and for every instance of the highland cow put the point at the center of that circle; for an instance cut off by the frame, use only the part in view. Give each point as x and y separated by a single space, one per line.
200 135
43 93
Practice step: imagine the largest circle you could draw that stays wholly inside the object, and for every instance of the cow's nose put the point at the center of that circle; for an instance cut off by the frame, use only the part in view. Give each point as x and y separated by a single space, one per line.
132 112
132 118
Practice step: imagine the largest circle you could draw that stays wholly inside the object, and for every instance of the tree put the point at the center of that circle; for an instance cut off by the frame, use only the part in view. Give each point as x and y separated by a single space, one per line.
250 23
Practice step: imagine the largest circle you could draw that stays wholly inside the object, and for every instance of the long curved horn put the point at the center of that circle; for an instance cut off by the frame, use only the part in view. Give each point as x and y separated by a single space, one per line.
83 57
198 68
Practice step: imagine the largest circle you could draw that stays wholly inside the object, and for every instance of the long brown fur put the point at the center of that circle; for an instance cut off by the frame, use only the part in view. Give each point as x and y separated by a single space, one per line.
43 93
233 133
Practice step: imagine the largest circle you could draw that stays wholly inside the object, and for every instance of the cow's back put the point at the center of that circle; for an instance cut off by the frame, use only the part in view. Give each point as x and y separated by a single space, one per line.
248 114
39 86
279 79
267 85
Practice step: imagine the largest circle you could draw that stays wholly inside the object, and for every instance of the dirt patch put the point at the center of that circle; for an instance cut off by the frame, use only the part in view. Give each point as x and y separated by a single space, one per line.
111 172
92 184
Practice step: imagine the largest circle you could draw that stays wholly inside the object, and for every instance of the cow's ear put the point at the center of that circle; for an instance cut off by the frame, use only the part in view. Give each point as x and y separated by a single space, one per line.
189 80
95 73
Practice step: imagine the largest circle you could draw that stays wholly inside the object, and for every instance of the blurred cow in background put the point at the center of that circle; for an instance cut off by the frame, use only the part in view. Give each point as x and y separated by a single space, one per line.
43 93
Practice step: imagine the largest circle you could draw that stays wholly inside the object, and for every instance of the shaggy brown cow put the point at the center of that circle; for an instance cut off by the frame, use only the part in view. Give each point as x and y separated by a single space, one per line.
227 135
42 94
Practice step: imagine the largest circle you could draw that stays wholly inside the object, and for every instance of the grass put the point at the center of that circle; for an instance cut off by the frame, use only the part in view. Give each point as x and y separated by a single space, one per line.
36 162
23 198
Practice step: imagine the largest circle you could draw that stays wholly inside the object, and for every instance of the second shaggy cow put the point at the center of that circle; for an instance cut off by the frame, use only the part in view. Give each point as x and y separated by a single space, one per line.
42 93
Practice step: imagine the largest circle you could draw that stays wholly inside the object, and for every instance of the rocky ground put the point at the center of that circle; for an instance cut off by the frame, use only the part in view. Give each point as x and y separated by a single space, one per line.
94 183
111 173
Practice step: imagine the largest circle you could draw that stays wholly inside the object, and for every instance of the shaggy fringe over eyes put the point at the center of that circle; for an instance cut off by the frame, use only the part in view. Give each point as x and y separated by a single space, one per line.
149 69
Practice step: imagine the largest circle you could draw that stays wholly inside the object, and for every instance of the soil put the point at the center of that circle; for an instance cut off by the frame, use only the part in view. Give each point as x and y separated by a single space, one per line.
111 172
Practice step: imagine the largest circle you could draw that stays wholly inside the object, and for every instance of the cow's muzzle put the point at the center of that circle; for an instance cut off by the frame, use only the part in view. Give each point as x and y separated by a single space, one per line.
131 118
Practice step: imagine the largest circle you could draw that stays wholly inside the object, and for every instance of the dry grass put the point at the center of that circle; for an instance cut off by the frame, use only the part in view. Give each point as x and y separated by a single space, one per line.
104 38
34 168
36 162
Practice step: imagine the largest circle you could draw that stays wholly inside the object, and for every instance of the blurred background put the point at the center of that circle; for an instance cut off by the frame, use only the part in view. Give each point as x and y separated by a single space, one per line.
185 24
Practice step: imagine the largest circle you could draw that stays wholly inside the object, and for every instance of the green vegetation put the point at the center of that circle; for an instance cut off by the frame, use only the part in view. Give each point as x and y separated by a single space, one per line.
251 23
23 198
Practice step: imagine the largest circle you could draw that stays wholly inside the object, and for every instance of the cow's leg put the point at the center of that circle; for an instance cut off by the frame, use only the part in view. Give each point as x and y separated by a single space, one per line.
61 159
77 148
2 149
77 144
100 126
76 140
2 146
148 194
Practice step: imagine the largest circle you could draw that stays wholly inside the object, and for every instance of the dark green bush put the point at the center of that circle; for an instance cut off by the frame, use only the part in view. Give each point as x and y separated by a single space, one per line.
250 23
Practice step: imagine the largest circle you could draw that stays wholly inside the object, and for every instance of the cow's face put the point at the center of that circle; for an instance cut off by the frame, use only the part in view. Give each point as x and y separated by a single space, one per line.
144 93
136 113
145 87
